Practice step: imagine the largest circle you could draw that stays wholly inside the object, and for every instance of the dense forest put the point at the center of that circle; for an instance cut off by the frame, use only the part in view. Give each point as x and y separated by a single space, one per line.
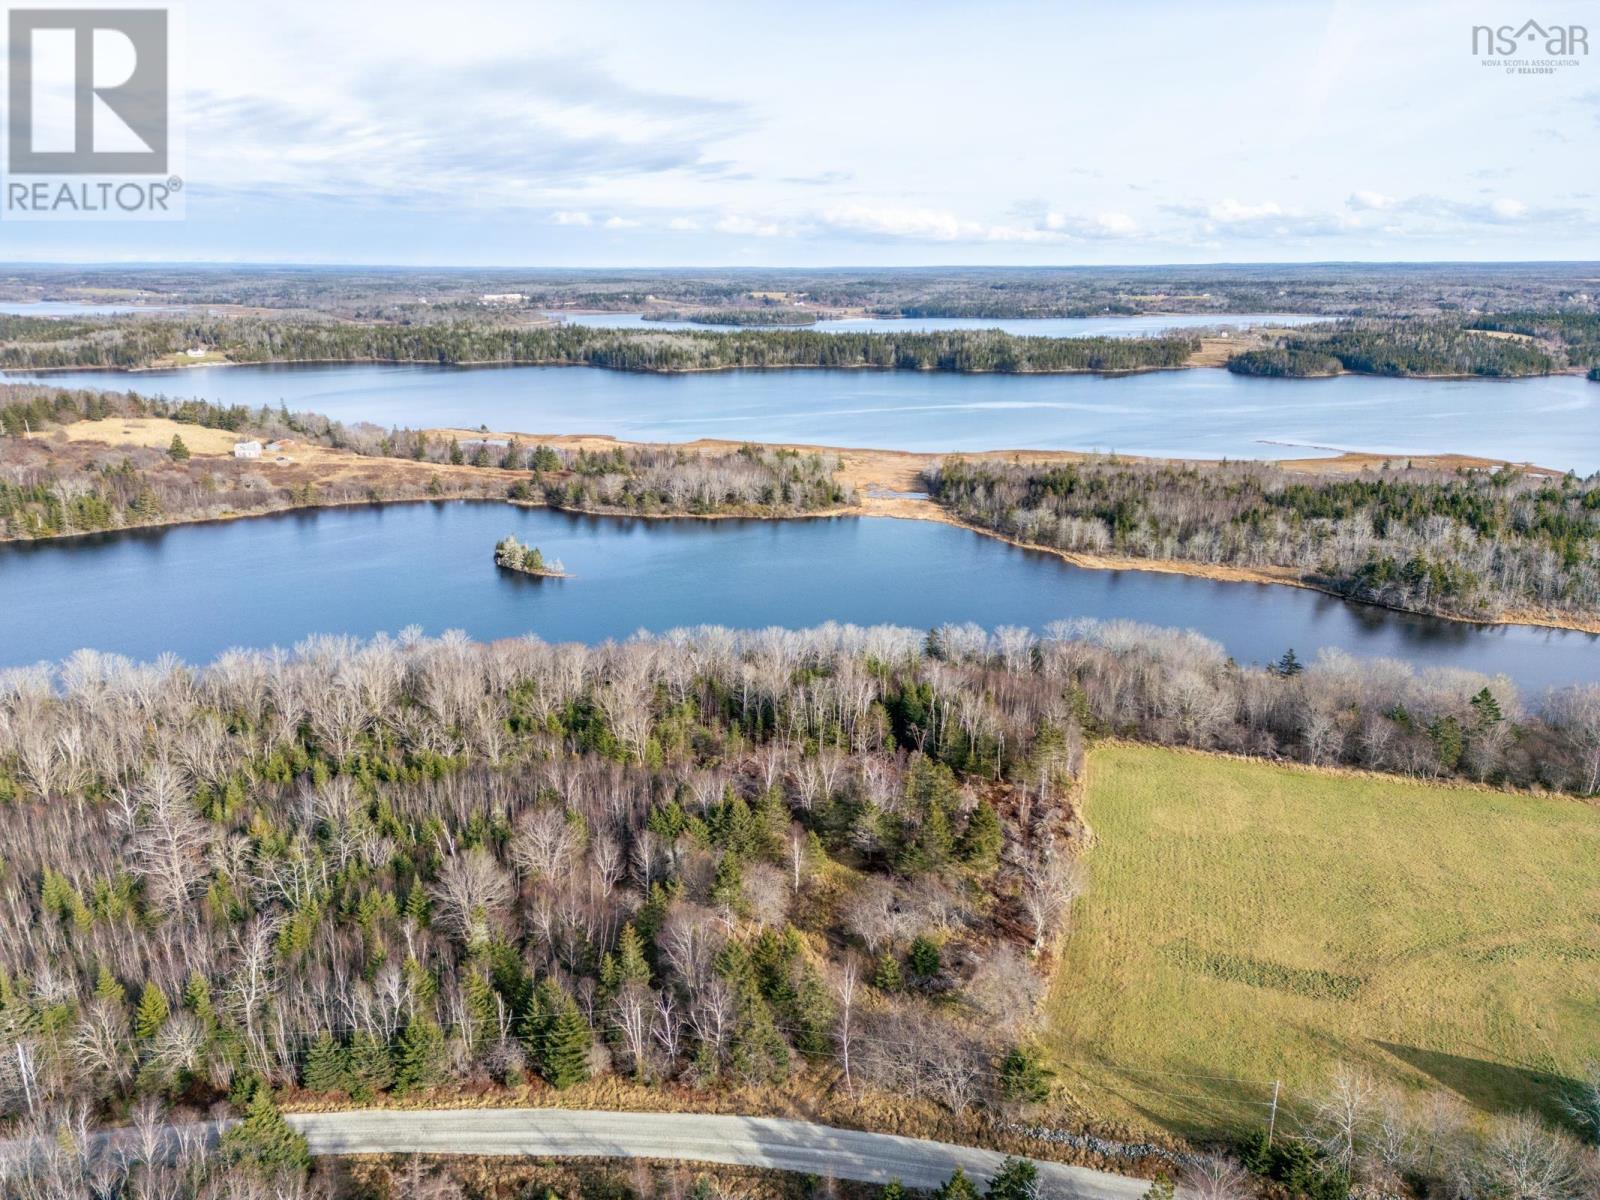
1336 289
1512 344
32 343
1467 543
710 859
50 488
666 481
385 868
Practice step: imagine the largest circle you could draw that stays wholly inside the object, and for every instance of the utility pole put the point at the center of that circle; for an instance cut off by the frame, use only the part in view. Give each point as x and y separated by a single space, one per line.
1272 1121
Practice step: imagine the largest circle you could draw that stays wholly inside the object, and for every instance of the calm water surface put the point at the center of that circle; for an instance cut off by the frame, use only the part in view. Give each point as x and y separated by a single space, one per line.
1201 413
198 590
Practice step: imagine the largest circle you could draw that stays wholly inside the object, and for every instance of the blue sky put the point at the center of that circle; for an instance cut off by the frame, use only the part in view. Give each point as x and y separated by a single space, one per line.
607 134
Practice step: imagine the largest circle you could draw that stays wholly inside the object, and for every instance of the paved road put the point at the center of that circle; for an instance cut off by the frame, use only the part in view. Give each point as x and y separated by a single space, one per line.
742 1141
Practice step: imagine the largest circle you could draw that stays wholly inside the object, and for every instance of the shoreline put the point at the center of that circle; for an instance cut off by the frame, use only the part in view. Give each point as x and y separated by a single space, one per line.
1199 361
488 364
886 483
1284 576
929 511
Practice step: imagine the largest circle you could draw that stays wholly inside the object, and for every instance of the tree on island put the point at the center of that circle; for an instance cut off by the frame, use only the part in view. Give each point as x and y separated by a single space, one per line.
512 554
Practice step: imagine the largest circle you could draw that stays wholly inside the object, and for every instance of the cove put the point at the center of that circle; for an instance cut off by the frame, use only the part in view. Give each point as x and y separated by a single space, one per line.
198 590
1553 421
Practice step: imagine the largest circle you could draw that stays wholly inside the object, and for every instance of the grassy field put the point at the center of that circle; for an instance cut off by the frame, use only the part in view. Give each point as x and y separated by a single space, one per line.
1258 922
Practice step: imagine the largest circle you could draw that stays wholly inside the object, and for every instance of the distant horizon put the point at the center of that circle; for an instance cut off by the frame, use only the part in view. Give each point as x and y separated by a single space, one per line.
750 268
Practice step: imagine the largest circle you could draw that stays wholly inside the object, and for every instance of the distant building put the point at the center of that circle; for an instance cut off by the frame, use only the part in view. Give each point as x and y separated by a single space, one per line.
502 298
247 449
196 352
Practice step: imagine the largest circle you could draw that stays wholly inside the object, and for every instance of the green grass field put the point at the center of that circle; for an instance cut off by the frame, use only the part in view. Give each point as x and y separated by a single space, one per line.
1262 922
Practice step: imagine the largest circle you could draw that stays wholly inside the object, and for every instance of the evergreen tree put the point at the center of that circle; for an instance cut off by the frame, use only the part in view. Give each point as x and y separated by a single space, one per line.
1023 1075
1018 1179
727 888
419 1055
893 1190
106 987
813 1012
566 1040
923 958
327 1066
417 907
151 1014
957 1187
982 839
371 1068
456 457
1289 665
1487 709
263 1139
631 964
481 1010
757 1050
197 998
177 451
886 975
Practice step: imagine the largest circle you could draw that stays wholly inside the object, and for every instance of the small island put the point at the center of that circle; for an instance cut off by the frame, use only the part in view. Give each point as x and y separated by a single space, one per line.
514 556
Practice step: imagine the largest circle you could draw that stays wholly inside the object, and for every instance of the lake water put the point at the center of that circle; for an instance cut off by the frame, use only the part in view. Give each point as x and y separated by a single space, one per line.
1201 413
197 590
1062 327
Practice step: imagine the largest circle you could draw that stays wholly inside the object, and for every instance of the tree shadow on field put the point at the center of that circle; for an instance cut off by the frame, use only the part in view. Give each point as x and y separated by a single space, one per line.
1490 1086
1182 1100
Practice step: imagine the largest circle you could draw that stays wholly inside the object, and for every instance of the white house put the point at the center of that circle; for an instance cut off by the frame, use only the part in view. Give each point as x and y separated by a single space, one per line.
502 298
196 352
247 449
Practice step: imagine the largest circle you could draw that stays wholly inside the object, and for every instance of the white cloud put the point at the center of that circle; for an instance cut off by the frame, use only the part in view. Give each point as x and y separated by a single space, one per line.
568 217
930 224
1508 209
743 226
1231 212
621 223
1365 201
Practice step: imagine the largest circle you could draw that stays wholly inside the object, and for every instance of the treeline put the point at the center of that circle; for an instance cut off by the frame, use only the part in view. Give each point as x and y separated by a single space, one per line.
751 315
50 488
248 340
662 481
1577 332
1468 543
1335 289
707 858
1404 347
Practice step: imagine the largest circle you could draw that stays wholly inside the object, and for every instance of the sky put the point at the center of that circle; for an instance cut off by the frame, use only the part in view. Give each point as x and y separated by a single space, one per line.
529 133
